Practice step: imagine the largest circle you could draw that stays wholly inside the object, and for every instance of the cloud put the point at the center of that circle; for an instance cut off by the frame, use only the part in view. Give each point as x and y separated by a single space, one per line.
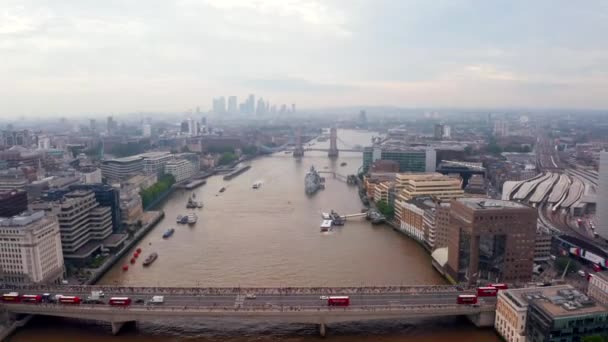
295 85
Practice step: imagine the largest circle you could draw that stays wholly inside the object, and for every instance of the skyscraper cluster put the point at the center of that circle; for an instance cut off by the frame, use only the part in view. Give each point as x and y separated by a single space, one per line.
249 106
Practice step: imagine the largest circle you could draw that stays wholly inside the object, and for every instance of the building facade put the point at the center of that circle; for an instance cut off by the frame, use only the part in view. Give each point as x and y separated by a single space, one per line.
491 240
115 170
82 222
410 159
30 249
180 169
598 287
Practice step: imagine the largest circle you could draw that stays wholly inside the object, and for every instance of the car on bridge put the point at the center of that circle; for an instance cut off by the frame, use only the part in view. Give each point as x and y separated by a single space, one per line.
250 296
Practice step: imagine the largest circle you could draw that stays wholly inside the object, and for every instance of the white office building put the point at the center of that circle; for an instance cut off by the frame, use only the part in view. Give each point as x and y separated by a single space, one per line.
30 249
181 169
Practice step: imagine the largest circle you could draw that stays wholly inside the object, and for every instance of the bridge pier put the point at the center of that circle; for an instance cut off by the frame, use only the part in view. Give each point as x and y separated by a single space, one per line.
483 319
117 326
322 329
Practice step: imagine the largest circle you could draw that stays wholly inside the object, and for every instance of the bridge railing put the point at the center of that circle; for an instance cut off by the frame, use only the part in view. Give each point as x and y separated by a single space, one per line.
421 308
243 290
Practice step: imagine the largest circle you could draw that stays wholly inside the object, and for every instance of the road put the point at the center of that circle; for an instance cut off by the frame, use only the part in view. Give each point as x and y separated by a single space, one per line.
291 300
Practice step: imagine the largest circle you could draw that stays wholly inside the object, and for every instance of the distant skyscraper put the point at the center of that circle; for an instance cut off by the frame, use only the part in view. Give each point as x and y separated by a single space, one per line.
184 127
111 125
191 127
438 132
293 107
501 128
362 118
283 108
261 108
251 104
93 125
146 130
602 198
219 105
232 103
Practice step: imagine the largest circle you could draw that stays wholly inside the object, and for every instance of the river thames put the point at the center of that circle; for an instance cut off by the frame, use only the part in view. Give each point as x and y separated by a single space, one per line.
270 237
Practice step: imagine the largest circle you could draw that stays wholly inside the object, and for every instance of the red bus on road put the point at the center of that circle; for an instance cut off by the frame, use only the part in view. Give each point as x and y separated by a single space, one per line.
120 301
31 298
500 286
338 301
466 299
69 300
487 291
12 297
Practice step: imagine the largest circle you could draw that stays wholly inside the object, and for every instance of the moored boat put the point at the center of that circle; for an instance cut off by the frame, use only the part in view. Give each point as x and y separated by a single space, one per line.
150 259
257 185
326 225
179 219
168 233
192 218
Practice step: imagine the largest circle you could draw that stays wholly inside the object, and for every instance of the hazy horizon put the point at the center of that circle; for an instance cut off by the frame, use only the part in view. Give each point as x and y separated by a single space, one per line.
66 58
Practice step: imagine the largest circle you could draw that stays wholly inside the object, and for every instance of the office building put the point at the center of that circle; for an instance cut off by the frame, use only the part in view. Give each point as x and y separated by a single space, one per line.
154 162
106 196
12 202
491 240
90 175
438 131
83 223
10 138
442 224
232 105
412 185
517 309
146 130
131 207
115 170
181 169
261 107
602 197
13 179
219 105
30 249
410 159
565 315
251 104
447 132
501 128
598 287
542 247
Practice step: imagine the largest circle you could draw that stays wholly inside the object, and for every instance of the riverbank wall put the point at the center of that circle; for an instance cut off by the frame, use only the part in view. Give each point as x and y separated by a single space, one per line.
143 231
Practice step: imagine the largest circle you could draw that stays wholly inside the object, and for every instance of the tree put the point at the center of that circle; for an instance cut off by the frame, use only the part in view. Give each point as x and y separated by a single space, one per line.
595 338
227 158
385 209
562 262
250 150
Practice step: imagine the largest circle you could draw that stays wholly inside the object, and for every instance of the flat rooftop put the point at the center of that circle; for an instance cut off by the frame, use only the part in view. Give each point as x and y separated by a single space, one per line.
478 203
557 301
124 159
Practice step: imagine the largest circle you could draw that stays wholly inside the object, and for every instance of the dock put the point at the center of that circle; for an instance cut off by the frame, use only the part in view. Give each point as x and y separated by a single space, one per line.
192 184
237 172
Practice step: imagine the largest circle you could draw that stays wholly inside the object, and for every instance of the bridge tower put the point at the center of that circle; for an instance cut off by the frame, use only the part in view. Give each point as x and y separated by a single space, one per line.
333 143
299 150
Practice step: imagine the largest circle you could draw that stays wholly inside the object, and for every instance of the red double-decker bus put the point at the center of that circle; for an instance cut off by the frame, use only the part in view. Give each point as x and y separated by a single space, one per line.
120 301
31 298
500 286
338 301
487 291
12 297
69 300
466 299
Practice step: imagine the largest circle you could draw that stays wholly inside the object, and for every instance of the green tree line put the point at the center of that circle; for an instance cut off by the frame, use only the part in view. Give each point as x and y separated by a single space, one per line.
152 193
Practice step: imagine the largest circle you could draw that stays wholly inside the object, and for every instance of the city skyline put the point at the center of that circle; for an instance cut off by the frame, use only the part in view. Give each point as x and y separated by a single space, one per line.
68 60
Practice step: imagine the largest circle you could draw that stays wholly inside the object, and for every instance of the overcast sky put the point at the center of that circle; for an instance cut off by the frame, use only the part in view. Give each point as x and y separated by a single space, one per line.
66 57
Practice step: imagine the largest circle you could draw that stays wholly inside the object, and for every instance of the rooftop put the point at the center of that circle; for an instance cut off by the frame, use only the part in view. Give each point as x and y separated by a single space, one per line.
124 159
487 203
557 301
